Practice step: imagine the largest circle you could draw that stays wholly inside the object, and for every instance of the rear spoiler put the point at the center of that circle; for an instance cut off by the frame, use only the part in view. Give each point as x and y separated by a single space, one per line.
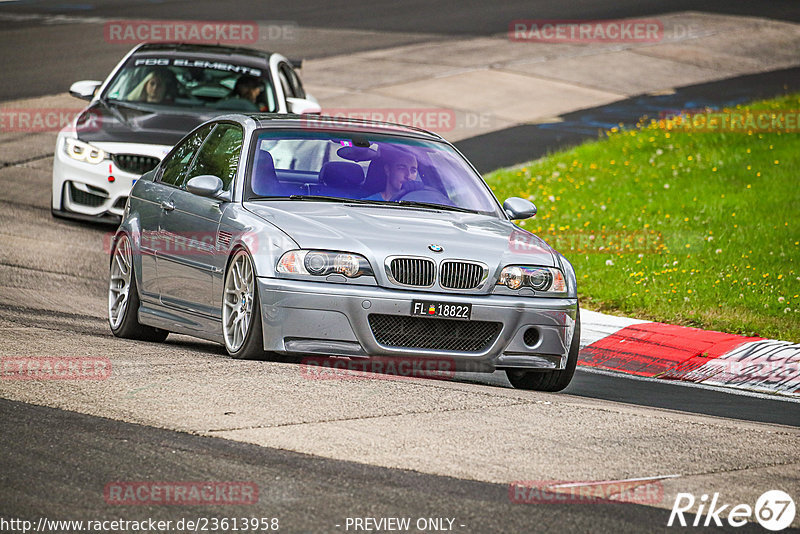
296 63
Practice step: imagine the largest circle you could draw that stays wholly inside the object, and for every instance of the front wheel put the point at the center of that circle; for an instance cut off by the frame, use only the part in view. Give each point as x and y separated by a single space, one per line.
123 297
550 380
241 310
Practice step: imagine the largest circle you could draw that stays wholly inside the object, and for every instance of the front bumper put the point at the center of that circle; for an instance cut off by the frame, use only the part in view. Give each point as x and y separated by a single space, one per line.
83 190
302 317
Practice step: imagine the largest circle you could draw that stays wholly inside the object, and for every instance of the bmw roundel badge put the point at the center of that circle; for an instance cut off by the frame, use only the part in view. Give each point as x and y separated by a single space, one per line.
435 248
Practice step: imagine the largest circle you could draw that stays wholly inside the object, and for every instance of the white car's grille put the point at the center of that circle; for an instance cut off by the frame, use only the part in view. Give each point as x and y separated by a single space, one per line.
135 163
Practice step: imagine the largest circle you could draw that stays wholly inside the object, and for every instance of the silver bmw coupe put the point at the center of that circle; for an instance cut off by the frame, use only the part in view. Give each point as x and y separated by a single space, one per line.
327 237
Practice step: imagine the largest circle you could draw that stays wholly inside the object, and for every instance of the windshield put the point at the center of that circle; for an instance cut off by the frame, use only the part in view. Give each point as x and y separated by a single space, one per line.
192 83
372 168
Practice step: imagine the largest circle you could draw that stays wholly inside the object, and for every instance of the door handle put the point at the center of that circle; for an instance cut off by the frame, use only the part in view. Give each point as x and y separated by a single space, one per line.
167 205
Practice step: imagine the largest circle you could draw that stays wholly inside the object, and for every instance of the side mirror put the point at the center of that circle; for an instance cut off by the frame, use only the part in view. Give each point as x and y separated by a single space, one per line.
301 106
518 208
205 185
85 89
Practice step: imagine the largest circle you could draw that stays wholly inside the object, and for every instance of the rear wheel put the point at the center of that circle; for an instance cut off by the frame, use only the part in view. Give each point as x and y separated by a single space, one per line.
550 380
123 297
241 310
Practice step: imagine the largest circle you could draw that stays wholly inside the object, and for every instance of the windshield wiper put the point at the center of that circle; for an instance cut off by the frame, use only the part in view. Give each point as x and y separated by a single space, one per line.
433 205
343 200
125 104
325 198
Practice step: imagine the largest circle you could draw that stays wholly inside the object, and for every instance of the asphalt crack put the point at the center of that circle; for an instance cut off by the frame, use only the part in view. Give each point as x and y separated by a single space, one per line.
5 164
379 416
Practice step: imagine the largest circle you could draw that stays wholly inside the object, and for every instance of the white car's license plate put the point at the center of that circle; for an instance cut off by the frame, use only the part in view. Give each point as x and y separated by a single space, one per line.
443 310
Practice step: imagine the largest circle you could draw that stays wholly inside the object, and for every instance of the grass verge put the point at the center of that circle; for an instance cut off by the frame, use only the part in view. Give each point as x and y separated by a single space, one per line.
671 223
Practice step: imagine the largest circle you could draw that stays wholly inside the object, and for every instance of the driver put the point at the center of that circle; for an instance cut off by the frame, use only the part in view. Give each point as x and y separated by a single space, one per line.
245 95
158 87
400 167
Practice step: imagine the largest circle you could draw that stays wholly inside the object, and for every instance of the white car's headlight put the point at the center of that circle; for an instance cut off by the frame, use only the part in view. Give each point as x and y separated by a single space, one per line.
322 263
540 279
83 151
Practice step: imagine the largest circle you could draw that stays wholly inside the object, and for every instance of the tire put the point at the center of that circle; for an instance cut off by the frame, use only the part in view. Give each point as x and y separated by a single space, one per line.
241 309
123 297
550 380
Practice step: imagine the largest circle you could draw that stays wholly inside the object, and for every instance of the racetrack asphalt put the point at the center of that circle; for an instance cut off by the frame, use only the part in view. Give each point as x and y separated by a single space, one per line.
306 493
527 142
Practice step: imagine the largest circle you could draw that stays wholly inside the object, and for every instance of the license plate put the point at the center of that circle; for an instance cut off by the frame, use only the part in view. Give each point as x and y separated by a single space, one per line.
442 310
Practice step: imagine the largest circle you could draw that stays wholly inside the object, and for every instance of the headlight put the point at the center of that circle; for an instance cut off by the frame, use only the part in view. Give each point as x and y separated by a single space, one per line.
540 279
83 151
322 263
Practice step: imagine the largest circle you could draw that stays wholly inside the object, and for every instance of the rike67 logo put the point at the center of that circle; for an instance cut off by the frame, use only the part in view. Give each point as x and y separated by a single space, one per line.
774 510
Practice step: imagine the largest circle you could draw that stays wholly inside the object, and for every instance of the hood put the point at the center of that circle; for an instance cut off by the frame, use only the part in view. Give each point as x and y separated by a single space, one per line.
378 232
116 122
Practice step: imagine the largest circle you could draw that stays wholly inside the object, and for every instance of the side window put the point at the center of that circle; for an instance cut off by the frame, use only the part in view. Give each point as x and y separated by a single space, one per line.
297 85
292 87
288 92
219 155
177 162
269 93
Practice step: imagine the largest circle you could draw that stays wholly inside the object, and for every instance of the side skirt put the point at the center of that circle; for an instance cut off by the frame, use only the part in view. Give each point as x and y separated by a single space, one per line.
181 322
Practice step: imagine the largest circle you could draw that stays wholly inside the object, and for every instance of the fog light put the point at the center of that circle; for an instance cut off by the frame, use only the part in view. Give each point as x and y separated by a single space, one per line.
531 337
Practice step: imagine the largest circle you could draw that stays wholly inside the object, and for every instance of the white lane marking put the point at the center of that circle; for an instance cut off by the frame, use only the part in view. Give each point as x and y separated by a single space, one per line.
51 19
597 482
596 326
